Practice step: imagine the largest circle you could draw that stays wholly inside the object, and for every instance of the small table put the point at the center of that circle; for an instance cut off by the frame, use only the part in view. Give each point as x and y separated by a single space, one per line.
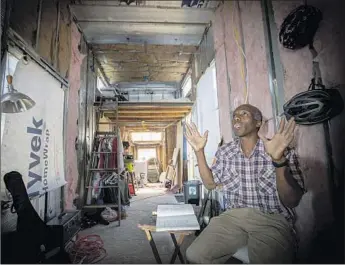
148 229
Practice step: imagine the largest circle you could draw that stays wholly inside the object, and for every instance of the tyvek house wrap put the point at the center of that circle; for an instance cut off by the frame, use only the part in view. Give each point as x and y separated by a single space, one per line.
33 140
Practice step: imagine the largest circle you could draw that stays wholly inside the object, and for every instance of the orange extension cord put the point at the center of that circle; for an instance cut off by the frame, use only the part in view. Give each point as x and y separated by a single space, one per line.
88 249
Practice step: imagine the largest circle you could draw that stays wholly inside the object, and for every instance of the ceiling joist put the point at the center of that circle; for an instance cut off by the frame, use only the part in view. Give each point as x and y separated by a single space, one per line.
150 48
142 43
97 13
141 116
134 112
138 63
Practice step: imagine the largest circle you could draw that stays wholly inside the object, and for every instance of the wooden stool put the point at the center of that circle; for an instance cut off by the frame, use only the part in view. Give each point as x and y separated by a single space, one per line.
148 229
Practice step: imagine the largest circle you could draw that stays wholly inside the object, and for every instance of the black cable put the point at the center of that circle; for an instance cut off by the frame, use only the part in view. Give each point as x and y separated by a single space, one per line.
326 127
4 36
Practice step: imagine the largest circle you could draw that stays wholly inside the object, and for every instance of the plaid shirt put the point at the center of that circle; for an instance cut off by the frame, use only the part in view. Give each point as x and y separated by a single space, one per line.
251 182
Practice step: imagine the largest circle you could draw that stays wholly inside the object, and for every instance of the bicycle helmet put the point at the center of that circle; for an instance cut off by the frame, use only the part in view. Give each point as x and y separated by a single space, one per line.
314 106
299 27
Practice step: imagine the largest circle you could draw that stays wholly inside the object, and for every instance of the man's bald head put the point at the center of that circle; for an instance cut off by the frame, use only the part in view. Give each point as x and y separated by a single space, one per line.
256 113
246 120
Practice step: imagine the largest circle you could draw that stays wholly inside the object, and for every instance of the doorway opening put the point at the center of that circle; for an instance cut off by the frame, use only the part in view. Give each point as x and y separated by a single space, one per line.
147 153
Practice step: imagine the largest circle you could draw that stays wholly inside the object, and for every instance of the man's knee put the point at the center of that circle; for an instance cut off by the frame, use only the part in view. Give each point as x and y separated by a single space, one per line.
265 257
195 256
265 250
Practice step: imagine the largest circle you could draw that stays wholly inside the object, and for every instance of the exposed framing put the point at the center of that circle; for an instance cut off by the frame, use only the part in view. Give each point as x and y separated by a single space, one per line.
275 67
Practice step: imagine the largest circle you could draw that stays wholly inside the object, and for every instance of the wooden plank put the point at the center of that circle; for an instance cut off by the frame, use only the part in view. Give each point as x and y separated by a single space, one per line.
150 111
155 105
161 78
145 115
163 57
109 66
116 57
148 119
144 124
146 70
153 115
128 75
150 48
115 12
134 128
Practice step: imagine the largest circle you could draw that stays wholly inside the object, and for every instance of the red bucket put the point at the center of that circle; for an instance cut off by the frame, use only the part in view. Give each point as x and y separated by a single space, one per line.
131 189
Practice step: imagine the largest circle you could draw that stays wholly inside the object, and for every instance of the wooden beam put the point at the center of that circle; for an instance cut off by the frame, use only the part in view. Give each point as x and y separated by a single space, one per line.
122 117
120 57
138 64
146 71
141 129
150 48
154 109
145 115
146 123
150 118
155 105
181 114
160 78
167 111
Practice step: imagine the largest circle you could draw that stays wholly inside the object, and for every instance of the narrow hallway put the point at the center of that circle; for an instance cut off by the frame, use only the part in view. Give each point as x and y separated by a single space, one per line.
114 110
127 244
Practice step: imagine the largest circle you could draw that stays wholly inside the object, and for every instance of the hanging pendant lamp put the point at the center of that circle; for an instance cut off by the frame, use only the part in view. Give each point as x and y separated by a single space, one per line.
14 101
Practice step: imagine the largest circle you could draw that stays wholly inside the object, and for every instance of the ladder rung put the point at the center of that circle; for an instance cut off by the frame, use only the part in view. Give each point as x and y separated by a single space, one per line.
102 136
106 133
100 205
101 187
104 152
103 169
109 98
108 123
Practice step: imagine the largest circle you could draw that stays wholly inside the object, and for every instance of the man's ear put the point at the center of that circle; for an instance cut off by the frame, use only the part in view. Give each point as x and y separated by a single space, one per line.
258 124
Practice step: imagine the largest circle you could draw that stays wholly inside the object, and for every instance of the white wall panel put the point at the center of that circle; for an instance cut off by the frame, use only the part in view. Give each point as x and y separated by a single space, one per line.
205 114
208 112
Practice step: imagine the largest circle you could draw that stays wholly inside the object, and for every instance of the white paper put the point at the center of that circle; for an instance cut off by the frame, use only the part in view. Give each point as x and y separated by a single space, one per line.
175 210
176 217
177 223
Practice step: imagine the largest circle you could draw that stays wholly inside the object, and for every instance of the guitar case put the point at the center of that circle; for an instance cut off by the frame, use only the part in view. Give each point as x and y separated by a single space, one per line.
33 241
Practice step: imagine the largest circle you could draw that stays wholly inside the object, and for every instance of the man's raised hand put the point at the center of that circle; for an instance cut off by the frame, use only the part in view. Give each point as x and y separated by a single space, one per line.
194 138
281 140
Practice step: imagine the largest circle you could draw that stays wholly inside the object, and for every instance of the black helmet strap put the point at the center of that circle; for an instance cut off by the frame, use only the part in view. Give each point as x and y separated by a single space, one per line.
316 81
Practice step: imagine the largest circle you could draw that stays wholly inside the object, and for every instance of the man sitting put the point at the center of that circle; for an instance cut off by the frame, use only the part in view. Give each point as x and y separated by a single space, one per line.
262 182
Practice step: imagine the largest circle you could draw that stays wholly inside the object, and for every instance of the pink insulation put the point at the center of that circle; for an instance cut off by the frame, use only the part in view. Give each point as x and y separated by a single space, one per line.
254 41
222 78
314 210
227 17
72 116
